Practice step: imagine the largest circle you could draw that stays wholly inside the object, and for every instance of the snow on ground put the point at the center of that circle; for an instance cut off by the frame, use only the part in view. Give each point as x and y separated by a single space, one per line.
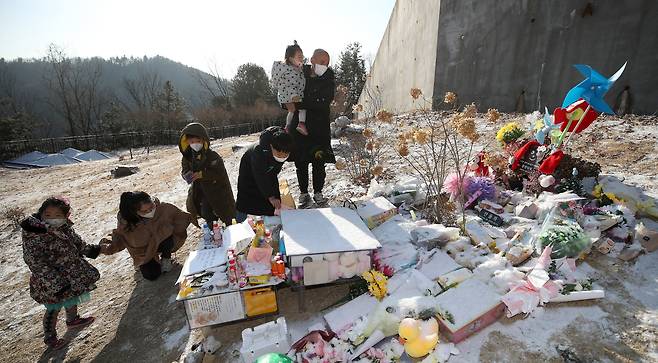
141 321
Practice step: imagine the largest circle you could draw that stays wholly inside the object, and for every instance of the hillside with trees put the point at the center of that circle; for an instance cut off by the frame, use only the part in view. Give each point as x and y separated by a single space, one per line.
58 95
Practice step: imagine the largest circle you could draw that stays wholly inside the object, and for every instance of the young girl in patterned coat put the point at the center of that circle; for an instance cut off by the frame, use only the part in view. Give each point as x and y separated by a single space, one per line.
61 277
288 79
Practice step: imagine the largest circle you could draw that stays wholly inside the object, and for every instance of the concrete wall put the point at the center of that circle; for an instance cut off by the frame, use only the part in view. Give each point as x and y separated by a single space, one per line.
406 57
490 51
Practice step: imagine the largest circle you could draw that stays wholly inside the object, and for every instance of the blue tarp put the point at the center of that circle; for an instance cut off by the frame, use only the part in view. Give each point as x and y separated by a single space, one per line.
92 155
70 152
37 159
52 160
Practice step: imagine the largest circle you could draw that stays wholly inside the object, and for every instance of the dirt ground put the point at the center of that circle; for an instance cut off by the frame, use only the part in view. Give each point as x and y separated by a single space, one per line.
140 321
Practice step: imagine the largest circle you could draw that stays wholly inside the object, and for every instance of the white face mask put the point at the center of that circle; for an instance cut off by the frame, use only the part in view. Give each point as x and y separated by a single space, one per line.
281 160
148 215
319 69
55 222
196 146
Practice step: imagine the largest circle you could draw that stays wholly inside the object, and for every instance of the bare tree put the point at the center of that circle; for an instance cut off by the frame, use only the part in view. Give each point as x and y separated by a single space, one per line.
75 90
143 90
17 109
211 81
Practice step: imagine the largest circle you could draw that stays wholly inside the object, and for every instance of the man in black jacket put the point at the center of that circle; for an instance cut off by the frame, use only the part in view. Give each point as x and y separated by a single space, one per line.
258 179
315 149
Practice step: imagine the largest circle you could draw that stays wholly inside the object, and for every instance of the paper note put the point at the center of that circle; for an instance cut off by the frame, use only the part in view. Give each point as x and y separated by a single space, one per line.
238 236
201 260
214 309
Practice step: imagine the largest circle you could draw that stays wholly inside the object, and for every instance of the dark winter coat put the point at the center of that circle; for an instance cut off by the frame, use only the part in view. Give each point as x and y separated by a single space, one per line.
143 240
259 177
55 257
318 95
214 186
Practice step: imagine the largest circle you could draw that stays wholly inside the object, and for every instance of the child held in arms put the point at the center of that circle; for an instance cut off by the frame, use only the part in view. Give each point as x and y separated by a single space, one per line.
60 276
288 79
210 195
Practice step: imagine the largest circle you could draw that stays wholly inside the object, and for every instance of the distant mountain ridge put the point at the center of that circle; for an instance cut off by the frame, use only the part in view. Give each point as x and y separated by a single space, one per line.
28 76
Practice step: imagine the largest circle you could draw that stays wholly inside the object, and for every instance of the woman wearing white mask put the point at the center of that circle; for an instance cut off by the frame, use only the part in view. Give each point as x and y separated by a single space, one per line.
258 182
150 230
60 276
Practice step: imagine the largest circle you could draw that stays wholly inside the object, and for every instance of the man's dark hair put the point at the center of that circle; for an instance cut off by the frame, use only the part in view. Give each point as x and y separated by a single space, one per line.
291 50
282 141
130 204
55 202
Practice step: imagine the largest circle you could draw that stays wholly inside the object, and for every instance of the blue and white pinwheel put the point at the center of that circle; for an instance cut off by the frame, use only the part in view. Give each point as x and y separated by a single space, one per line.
540 136
592 88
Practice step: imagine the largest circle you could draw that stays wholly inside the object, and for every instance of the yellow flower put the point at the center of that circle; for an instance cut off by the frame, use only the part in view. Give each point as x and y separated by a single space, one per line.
377 283
377 170
509 133
415 93
450 97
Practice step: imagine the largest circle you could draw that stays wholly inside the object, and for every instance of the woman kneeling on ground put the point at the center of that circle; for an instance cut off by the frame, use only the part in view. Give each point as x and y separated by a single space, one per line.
151 230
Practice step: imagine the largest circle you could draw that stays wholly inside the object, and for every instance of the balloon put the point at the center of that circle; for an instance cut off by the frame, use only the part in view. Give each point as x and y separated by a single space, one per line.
274 358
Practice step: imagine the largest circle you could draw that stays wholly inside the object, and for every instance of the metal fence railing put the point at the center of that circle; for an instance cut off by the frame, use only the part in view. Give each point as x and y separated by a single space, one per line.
109 142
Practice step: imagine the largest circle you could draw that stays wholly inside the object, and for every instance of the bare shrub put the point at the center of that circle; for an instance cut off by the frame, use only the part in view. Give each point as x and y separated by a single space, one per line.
435 146
14 215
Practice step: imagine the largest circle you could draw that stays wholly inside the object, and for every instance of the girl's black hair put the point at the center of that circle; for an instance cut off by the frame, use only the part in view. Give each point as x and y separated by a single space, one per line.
130 204
55 202
291 50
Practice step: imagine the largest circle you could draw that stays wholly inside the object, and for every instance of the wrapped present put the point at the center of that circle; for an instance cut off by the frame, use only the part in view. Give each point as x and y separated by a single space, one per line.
464 315
376 211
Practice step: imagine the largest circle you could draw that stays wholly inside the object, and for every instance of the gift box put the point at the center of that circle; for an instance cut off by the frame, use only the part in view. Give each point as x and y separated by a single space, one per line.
468 308
376 211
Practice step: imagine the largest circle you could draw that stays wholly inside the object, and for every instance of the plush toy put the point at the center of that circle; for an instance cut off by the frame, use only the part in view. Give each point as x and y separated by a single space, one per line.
480 168
546 181
388 314
348 265
334 265
211 345
363 264
420 336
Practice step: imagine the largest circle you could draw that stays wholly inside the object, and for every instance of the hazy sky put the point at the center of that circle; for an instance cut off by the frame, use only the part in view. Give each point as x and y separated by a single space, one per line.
195 33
